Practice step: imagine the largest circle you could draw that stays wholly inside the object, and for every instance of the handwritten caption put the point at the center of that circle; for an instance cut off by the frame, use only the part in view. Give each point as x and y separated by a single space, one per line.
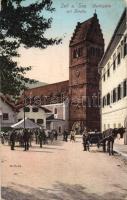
81 7
74 8
17 166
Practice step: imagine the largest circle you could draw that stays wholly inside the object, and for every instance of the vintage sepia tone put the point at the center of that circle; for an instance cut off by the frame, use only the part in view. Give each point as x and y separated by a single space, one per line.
63 99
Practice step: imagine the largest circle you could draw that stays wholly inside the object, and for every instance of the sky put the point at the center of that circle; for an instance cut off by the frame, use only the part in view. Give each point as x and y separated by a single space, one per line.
52 64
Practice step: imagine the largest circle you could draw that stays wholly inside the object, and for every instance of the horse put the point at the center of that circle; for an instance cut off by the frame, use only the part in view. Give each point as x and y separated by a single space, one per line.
109 136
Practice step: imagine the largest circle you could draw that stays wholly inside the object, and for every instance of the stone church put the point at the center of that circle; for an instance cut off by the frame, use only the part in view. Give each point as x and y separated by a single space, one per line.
86 49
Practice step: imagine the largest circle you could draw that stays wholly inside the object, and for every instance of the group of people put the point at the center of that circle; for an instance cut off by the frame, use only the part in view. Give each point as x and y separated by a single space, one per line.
26 136
43 136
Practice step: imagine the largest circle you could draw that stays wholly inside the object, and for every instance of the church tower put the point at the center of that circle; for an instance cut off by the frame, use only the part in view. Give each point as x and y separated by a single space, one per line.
86 49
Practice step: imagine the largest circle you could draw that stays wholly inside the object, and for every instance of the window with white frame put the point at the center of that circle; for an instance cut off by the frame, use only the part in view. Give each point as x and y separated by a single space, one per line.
114 95
5 116
114 61
104 102
108 70
108 99
125 46
119 92
118 55
125 88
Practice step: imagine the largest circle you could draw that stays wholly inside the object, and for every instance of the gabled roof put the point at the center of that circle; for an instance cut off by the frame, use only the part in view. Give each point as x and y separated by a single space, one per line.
118 32
81 31
8 102
84 30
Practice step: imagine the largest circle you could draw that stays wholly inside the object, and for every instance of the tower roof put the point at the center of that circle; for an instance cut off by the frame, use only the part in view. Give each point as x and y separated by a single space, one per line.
82 29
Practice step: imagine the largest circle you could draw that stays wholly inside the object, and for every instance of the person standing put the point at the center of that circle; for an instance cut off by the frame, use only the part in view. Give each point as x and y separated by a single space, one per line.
84 138
88 142
26 138
12 139
65 135
72 136
41 137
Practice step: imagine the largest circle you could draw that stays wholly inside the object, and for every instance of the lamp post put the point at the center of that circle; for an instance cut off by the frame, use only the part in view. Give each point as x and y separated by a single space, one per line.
0 118
24 106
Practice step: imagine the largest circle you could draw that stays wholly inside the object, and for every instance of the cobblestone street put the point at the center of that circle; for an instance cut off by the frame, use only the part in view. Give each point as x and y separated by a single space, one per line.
62 171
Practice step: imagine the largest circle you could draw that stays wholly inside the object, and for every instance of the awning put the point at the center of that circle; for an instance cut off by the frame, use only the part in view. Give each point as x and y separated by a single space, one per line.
28 124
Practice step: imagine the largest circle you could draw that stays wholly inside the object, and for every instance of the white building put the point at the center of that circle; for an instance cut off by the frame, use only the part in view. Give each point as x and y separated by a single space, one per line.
51 116
114 78
36 114
59 118
8 113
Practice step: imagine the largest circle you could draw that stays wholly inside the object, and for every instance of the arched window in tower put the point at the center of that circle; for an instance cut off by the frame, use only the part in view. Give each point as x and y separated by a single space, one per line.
74 53
98 52
80 52
92 51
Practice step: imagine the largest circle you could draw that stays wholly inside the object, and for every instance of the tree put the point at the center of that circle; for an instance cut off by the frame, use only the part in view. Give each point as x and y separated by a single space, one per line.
21 25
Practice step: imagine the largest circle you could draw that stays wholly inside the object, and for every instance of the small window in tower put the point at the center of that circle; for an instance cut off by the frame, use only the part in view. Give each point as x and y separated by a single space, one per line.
98 52
80 52
74 53
92 51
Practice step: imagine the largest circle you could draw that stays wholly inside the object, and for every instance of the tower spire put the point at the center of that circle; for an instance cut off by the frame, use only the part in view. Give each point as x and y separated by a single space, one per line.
95 14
